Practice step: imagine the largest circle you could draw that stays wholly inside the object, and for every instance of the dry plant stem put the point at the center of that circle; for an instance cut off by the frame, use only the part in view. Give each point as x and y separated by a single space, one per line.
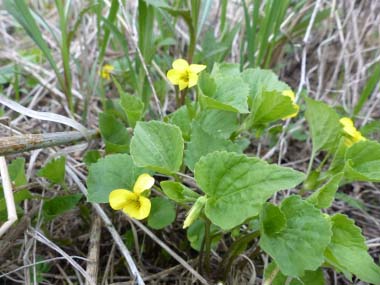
135 274
8 241
170 251
94 247
41 238
22 143
8 195
272 276
46 116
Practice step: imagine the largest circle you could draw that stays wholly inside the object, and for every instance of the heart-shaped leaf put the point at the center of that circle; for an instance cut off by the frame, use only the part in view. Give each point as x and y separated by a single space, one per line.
237 185
157 146
300 245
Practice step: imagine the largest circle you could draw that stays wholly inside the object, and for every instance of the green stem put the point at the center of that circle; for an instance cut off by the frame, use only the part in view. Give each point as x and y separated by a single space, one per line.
236 248
177 98
323 162
310 164
183 96
208 241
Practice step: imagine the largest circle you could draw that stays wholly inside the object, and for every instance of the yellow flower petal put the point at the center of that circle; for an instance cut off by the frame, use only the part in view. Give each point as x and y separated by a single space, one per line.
145 206
182 84
119 198
196 68
138 209
106 71
193 79
180 64
290 94
174 76
346 122
143 182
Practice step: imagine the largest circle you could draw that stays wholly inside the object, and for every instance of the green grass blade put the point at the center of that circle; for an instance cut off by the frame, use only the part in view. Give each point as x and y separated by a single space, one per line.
119 36
368 88
223 15
266 29
145 30
20 11
111 19
65 51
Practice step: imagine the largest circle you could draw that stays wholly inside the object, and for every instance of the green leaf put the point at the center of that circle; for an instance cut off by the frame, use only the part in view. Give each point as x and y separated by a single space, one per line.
116 171
260 80
91 157
310 277
363 161
218 123
17 172
223 69
18 197
325 129
157 146
59 205
371 129
54 170
161 214
270 106
272 219
237 186
182 119
302 242
196 234
202 143
178 192
114 133
133 108
207 84
347 251
337 164
351 201
324 196
231 94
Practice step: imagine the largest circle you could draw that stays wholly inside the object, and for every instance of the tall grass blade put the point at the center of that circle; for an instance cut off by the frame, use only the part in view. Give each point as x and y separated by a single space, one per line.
368 89
20 11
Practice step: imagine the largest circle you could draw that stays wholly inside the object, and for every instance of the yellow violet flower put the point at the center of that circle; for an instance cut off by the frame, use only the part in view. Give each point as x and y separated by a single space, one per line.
133 203
290 94
183 74
106 71
352 135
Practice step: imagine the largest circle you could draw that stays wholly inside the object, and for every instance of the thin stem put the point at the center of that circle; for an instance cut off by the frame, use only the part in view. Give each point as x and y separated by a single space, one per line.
310 164
183 96
235 249
272 276
207 245
323 162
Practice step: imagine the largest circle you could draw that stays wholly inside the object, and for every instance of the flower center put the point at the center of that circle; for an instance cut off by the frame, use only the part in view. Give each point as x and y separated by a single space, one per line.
135 203
185 76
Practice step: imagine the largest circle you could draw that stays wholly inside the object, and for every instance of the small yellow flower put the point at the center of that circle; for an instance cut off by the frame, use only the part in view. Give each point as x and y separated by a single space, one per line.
290 94
133 203
106 71
183 74
352 135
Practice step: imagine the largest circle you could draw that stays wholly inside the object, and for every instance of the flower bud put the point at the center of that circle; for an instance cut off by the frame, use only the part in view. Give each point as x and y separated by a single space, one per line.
195 211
